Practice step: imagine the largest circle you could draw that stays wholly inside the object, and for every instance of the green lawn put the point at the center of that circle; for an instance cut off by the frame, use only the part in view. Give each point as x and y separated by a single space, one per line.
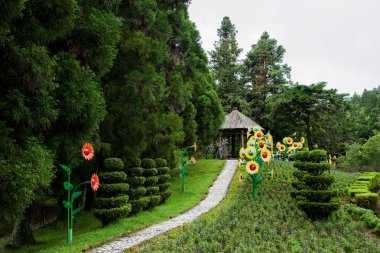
271 223
88 231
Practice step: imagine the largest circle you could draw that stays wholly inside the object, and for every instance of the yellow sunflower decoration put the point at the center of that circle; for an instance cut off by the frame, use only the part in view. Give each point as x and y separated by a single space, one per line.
265 155
262 145
289 141
242 153
250 152
295 145
282 147
259 135
302 140
241 177
257 128
290 151
241 163
252 167
251 142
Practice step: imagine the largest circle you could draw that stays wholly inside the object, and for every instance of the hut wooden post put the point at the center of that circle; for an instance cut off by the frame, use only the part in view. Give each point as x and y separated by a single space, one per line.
242 138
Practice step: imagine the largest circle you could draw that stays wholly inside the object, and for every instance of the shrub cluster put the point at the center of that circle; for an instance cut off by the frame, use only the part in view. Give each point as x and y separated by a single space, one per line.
137 191
360 191
313 188
151 183
112 201
163 178
365 215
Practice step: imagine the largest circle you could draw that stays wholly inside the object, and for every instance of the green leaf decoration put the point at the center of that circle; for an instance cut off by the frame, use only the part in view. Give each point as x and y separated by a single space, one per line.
76 211
65 168
76 195
67 204
67 186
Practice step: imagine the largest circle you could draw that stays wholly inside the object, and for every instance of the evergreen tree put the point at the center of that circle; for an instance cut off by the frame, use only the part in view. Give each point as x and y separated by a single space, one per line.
267 74
227 69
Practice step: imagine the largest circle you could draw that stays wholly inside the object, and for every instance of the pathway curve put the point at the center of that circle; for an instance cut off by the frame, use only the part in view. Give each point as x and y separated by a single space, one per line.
215 195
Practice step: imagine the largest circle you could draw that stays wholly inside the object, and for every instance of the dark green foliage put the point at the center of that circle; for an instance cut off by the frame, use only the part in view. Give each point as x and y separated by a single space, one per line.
139 204
163 178
150 181
136 181
165 195
160 162
113 177
314 156
367 216
112 201
136 193
313 190
163 170
135 171
154 200
133 162
148 163
152 190
104 203
164 187
114 164
312 167
110 214
150 172
367 199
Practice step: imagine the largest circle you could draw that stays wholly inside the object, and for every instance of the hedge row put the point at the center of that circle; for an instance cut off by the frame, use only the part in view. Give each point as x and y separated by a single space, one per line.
365 215
138 189
151 182
314 156
163 178
360 191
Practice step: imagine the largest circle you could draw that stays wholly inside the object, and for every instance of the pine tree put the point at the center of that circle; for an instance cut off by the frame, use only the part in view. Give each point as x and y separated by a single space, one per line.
227 68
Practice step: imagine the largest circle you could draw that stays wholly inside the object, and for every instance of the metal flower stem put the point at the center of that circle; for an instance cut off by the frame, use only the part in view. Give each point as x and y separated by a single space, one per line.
72 194
183 154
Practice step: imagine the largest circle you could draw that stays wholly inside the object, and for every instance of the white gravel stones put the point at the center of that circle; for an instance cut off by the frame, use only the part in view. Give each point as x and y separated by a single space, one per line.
216 193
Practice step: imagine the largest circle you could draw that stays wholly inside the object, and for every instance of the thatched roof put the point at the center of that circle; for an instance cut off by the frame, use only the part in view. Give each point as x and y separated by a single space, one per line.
237 120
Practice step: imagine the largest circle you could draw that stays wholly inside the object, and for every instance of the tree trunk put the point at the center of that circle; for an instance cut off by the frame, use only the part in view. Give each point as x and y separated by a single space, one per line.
22 233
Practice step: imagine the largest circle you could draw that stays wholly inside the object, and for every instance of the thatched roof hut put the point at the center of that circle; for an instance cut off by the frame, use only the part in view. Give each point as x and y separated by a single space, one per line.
236 124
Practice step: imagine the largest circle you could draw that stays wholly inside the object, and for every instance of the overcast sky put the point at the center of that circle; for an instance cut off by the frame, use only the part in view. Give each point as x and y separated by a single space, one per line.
336 41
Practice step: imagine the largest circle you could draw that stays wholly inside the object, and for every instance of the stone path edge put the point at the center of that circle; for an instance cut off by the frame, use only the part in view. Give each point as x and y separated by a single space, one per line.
215 195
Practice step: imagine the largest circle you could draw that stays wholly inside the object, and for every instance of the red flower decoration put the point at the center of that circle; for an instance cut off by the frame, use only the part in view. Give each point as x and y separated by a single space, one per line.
87 151
94 182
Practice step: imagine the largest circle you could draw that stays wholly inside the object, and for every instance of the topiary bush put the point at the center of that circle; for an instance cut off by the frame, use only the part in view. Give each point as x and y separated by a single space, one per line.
112 198
313 189
137 190
360 191
151 182
163 178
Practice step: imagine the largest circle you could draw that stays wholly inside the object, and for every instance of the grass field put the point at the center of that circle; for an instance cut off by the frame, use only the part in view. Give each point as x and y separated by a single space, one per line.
271 223
88 231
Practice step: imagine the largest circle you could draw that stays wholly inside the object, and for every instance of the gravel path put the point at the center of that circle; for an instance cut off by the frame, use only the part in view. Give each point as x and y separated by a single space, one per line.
215 195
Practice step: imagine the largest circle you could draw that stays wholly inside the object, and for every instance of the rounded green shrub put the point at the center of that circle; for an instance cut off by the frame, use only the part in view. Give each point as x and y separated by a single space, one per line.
165 195
164 178
139 204
133 162
163 170
136 193
154 200
148 163
163 187
151 181
160 162
111 214
113 189
152 190
113 164
112 202
113 177
150 172
135 171
318 155
136 181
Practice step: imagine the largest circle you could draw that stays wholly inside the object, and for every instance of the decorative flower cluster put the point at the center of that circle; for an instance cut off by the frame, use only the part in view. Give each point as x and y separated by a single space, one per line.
290 147
255 158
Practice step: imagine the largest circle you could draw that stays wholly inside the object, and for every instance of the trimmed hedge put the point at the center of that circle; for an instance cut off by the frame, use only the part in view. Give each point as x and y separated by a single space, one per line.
312 191
314 156
163 178
152 190
136 193
365 215
163 187
135 171
113 164
148 163
160 162
113 177
163 170
154 200
139 204
151 181
360 191
150 172
136 181
312 167
112 201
